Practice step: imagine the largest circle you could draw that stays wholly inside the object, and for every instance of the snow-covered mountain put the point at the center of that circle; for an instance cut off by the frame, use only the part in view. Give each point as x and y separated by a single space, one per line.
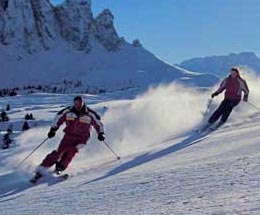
220 65
41 43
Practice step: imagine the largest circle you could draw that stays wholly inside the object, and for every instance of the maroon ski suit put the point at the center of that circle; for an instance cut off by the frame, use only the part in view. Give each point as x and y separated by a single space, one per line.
233 89
77 133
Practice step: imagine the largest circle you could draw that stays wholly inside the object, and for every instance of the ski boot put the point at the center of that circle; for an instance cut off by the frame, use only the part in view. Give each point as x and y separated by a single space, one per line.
36 177
58 171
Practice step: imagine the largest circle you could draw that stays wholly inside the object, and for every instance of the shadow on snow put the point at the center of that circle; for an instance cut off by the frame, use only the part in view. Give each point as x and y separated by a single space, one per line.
16 182
147 157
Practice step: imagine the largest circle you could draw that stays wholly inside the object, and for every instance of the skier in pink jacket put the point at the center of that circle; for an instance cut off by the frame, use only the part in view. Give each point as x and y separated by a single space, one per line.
233 86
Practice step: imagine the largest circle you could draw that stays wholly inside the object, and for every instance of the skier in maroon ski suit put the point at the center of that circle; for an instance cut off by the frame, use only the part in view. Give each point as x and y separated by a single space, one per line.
233 86
79 120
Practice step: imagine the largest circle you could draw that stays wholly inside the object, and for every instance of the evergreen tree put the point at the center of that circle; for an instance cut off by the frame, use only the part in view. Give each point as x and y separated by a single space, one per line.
7 107
25 126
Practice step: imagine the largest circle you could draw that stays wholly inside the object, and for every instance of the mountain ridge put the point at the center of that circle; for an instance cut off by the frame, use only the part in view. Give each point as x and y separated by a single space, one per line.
220 65
41 43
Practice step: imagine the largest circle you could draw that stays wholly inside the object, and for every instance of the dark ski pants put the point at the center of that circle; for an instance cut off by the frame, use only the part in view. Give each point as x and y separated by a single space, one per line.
224 110
64 154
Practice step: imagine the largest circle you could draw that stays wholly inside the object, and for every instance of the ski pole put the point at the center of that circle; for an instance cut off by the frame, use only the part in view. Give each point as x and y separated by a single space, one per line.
32 152
208 106
257 108
118 157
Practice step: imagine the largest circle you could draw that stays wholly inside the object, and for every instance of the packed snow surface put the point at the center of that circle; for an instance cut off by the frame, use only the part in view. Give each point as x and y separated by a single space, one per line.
165 167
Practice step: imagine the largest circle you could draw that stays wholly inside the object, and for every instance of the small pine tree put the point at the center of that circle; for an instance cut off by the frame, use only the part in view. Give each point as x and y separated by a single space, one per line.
9 129
27 116
25 126
7 107
6 141
4 116
31 116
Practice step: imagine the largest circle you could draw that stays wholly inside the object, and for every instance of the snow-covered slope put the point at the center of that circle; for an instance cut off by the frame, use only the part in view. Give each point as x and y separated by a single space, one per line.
220 65
129 66
165 167
40 43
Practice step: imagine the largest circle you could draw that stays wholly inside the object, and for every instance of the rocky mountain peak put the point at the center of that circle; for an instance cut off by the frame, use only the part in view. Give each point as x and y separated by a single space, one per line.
75 19
105 31
28 24
35 25
81 2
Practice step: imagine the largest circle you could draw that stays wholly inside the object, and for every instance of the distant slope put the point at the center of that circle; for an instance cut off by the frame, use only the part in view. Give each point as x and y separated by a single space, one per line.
130 66
220 65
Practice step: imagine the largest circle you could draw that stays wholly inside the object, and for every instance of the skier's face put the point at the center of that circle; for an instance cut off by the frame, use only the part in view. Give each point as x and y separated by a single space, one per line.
233 73
78 105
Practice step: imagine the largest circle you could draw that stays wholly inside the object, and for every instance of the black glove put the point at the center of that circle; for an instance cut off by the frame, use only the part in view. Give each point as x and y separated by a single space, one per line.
52 132
101 136
245 99
214 94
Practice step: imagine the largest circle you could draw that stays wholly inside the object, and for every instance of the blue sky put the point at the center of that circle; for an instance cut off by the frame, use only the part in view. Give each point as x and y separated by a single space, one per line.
176 30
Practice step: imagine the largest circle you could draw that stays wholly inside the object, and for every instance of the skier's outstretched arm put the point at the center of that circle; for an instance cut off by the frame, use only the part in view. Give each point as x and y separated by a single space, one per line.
98 125
221 88
57 122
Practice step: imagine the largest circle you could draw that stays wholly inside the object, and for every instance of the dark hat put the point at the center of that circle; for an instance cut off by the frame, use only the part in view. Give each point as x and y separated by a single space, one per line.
78 98
235 69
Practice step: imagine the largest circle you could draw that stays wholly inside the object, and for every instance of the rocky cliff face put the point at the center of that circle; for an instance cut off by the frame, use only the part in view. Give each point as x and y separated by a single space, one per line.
28 24
36 24
76 23
105 31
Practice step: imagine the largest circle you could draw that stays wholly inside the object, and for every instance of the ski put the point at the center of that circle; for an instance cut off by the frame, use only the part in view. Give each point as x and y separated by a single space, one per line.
62 176
38 176
208 128
203 129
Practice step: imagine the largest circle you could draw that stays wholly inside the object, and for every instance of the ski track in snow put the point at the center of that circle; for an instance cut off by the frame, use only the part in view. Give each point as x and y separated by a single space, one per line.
180 173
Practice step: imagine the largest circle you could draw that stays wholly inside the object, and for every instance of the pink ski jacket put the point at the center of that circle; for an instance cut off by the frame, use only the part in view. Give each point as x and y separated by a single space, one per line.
233 88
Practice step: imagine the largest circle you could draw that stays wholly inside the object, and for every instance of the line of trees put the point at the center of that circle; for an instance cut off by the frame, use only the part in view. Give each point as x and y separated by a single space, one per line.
8 92
66 86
